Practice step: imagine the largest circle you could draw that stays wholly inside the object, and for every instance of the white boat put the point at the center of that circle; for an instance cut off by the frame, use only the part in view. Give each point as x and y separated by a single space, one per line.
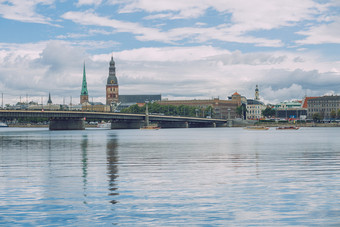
104 125
2 124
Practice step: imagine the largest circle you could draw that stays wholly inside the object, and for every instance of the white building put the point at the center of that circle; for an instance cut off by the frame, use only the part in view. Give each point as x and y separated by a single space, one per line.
254 109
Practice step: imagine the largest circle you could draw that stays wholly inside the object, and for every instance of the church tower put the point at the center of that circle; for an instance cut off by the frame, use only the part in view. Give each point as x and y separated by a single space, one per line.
49 99
112 85
257 94
84 95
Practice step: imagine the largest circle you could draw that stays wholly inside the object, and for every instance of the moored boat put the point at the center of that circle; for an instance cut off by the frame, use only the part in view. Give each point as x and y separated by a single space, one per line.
154 127
257 128
287 128
104 125
2 124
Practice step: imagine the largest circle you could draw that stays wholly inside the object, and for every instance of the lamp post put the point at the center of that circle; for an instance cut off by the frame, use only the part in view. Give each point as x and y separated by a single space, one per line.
229 121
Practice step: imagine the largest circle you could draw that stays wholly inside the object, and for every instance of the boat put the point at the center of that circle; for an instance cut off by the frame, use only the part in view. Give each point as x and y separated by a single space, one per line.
257 128
104 125
2 124
287 128
154 127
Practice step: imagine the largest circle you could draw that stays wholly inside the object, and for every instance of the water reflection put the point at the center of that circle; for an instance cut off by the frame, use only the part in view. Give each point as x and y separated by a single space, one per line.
112 168
84 145
175 177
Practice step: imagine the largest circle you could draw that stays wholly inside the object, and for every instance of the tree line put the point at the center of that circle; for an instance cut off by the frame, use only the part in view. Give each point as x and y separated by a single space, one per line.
171 110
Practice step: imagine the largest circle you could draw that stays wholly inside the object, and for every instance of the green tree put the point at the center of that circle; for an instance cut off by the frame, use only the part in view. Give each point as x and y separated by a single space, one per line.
239 111
182 110
268 112
316 117
209 111
333 114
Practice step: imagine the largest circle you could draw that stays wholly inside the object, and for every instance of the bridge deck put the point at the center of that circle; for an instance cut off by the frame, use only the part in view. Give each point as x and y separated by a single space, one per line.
103 116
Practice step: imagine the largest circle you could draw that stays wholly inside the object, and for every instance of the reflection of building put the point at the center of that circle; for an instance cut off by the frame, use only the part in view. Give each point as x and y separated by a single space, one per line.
84 95
324 106
112 168
112 85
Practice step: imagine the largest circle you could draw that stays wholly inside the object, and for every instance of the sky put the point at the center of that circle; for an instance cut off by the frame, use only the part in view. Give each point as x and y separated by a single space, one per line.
192 49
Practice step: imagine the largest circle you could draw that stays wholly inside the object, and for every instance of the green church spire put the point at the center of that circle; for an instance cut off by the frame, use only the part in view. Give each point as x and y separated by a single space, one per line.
84 86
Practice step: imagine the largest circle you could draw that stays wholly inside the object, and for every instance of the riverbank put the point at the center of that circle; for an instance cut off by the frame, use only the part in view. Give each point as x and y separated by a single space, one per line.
266 124
305 124
29 125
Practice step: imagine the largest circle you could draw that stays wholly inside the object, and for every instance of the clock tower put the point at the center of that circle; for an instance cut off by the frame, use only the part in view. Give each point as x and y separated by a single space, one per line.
257 94
112 85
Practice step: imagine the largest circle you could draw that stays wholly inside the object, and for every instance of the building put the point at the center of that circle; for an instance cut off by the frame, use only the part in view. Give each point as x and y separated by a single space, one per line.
304 104
255 106
222 109
257 93
254 109
84 95
126 101
95 107
326 106
112 95
288 105
49 102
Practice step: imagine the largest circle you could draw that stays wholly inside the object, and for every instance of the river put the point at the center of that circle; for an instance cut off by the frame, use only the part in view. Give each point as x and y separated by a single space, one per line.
170 177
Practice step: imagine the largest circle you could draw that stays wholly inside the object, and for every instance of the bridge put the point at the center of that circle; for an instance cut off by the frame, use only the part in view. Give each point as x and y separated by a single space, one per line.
75 120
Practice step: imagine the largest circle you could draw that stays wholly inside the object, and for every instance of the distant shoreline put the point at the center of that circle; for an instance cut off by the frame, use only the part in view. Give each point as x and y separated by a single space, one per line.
273 124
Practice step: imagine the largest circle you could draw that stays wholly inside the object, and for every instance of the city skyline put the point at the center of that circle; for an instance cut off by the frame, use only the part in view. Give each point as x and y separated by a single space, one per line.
183 50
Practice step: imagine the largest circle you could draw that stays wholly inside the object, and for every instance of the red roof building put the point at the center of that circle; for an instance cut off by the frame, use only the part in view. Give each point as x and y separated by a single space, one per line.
305 102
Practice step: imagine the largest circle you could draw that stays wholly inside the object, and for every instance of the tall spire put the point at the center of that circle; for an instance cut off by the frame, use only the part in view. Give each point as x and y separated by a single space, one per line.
49 99
84 95
84 86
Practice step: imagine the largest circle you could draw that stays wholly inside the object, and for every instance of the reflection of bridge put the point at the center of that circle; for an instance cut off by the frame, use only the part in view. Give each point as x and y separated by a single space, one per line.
74 120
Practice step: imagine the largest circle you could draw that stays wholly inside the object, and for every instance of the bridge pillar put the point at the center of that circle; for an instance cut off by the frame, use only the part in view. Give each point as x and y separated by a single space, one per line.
173 124
127 124
67 124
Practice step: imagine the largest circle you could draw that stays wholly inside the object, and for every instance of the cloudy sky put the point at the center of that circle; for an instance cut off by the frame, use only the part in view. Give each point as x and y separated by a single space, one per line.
180 49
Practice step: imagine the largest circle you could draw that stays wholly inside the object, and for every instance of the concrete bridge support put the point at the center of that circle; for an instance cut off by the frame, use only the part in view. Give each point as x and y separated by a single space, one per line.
127 124
173 124
67 124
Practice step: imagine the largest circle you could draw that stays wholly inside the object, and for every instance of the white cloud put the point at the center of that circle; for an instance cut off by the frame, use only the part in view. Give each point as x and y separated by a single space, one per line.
153 34
246 15
24 11
324 33
89 2
185 72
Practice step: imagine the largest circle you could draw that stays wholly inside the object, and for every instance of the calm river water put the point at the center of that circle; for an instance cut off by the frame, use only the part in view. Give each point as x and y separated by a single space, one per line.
170 177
